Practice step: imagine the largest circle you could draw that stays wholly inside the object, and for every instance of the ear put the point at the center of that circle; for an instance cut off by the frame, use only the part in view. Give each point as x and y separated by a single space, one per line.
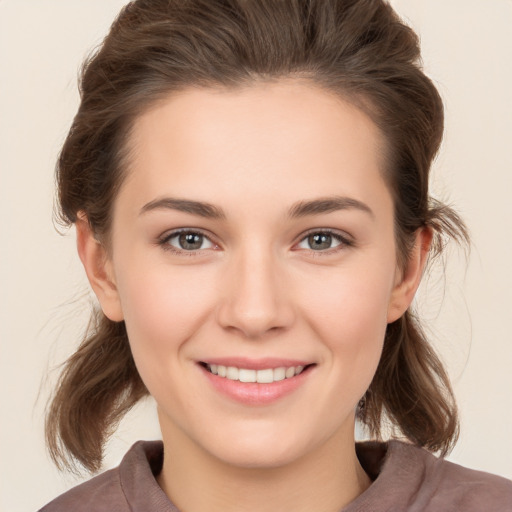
409 278
99 269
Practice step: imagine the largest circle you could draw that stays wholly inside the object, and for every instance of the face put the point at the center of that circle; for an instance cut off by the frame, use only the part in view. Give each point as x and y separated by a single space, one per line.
254 264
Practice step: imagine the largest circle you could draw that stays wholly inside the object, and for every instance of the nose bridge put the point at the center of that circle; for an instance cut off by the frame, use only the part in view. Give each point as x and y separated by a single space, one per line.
255 299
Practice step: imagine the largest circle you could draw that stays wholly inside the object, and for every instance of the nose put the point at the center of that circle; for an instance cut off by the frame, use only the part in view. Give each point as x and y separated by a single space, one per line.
255 297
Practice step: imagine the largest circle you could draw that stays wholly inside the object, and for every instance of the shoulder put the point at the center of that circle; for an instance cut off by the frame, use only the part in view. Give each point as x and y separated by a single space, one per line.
122 489
441 485
100 493
466 489
409 478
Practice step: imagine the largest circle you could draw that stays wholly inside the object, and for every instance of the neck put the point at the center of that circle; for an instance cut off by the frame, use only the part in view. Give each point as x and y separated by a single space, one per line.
324 480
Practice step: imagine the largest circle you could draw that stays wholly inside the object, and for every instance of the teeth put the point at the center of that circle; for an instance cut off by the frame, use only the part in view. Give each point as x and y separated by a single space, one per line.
246 375
265 376
232 373
280 373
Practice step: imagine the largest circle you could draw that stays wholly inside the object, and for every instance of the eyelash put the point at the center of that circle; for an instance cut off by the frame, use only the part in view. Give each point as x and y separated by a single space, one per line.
344 242
166 246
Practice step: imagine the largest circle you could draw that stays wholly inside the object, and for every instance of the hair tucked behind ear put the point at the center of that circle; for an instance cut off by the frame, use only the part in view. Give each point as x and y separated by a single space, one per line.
98 386
411 390
357 49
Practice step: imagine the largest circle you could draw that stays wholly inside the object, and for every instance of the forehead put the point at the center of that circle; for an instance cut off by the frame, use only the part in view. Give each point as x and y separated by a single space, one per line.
281 135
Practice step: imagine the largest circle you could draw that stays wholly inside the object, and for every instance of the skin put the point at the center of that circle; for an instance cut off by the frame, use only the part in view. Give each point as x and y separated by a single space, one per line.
256 287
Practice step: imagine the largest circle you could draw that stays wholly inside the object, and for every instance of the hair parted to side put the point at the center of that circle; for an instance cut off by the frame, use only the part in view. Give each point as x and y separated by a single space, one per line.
358 49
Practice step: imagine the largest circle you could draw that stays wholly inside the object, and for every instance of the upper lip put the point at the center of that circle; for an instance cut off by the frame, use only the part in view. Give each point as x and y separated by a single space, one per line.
255 364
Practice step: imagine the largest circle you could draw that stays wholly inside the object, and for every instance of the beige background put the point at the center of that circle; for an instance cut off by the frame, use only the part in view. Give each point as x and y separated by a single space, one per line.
44 300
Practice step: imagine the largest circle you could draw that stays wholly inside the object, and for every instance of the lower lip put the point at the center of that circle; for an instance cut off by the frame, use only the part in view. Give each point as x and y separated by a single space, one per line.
254 393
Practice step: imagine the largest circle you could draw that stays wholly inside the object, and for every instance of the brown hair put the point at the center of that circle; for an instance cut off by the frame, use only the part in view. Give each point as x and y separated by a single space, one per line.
359 49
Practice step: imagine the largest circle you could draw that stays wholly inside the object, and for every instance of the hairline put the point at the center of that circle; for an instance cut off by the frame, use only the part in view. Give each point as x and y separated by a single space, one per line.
359 100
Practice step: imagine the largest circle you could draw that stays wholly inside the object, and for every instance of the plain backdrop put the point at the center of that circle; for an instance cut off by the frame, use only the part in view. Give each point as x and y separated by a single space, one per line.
467 49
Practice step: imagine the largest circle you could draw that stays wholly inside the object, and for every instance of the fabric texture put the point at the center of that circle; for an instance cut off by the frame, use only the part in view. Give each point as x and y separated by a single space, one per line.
405 478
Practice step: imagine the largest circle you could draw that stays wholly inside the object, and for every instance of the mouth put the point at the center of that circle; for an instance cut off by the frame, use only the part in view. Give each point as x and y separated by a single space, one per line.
260 376
256 382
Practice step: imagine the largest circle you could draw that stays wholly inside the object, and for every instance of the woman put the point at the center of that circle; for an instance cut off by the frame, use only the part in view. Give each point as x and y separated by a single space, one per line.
249 184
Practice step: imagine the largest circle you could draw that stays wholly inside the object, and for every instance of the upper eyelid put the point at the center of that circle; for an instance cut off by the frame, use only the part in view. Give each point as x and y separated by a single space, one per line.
167 235
342 235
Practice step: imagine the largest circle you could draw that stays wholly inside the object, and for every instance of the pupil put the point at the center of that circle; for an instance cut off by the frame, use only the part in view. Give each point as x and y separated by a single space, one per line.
191 241
320 241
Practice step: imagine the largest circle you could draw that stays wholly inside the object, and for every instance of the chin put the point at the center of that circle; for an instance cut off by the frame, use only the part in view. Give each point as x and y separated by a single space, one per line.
258 457
261 451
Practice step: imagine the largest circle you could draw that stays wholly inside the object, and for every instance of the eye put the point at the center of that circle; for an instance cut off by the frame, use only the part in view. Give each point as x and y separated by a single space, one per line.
322 241
187 241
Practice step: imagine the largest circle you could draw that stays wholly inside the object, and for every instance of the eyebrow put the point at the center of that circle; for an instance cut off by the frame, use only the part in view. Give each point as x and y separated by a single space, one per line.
327 205
198 208
298 210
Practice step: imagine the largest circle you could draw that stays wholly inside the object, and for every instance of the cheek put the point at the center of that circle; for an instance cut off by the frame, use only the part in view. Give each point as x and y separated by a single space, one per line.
351 302
162 307
350 316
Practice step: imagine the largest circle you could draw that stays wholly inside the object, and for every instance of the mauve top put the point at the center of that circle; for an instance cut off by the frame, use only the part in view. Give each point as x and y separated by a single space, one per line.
405 478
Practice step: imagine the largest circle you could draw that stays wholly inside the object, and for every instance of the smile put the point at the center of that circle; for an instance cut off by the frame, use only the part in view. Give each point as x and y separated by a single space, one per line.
263 376
258 382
